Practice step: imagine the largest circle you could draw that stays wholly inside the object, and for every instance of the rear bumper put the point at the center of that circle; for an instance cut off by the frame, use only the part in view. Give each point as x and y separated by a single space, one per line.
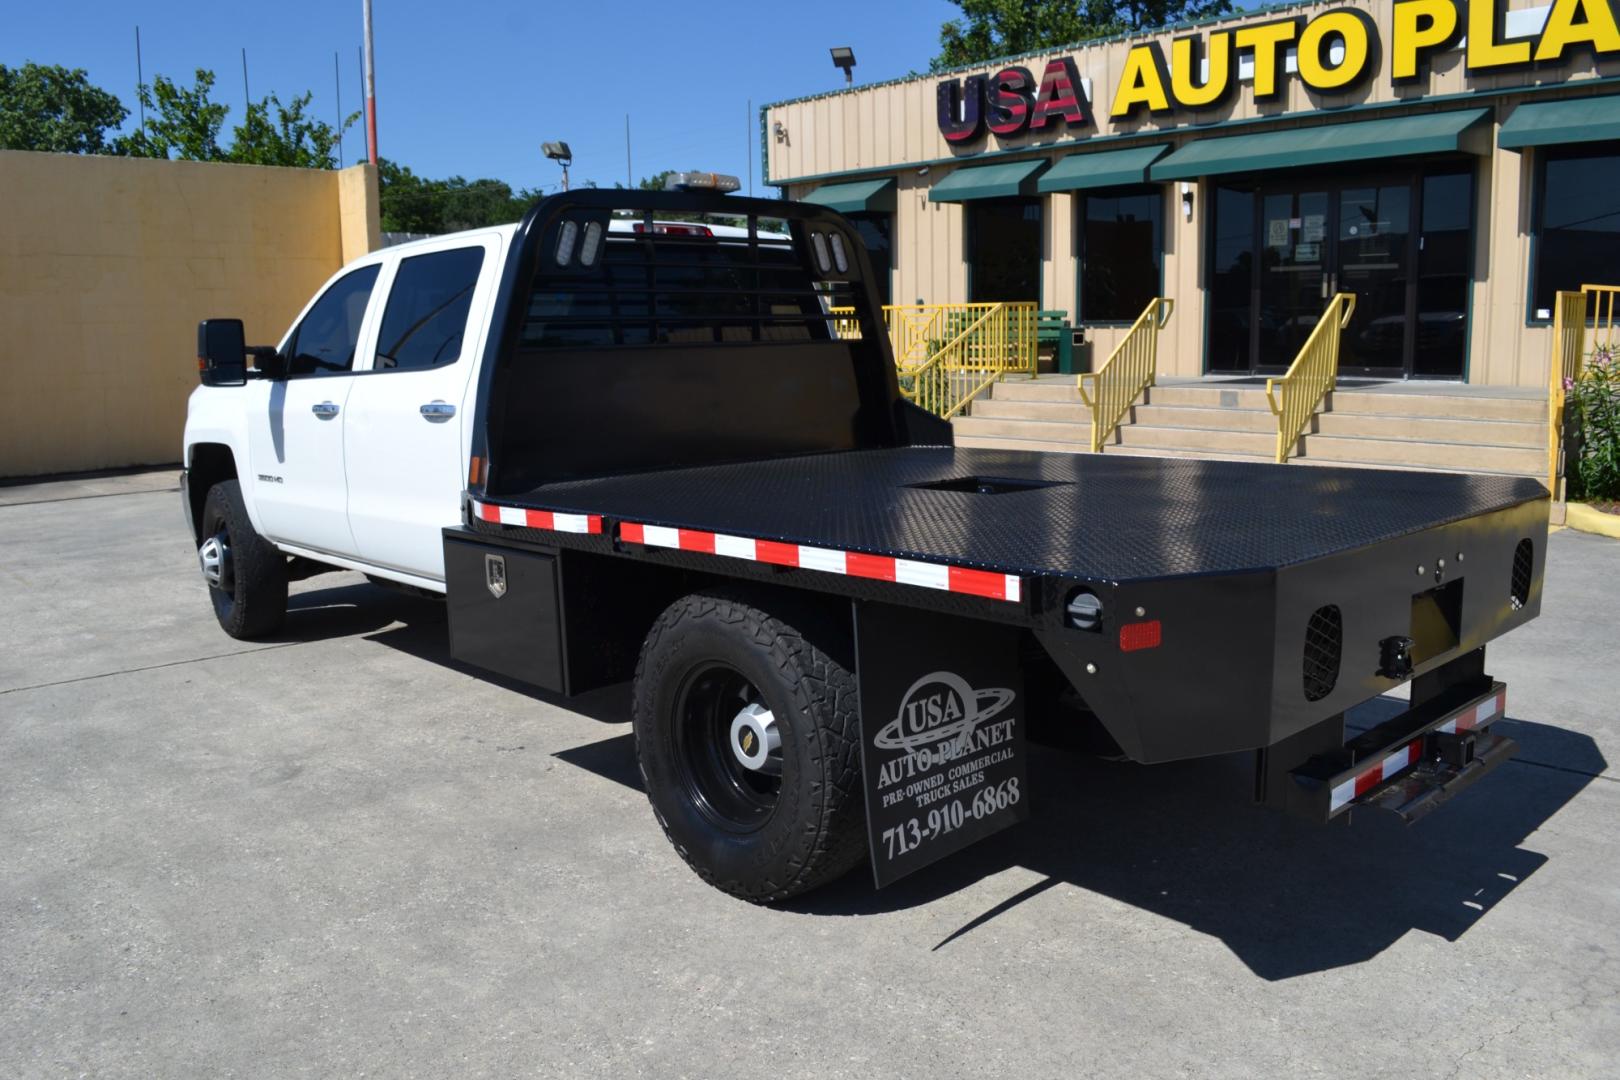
1411 763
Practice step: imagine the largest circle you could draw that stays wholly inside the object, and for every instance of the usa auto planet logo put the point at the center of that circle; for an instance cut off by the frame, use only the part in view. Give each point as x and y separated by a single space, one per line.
938 708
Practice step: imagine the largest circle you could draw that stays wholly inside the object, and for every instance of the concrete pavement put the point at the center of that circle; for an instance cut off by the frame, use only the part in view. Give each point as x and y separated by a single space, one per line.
338 854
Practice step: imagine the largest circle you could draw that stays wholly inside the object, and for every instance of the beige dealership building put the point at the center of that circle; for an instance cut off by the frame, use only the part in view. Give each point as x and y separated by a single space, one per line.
1452 164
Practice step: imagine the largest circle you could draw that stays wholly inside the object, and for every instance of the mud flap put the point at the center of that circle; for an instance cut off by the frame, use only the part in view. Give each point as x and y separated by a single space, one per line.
942 734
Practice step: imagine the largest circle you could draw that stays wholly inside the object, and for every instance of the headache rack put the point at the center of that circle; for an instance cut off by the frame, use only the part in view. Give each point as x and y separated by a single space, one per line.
667 288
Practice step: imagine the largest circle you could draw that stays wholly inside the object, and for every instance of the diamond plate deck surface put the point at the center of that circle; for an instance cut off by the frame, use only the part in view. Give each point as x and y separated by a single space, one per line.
1115 518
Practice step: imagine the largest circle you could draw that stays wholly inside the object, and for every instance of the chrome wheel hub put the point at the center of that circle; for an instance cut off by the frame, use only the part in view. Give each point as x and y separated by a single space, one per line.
755 741
214 555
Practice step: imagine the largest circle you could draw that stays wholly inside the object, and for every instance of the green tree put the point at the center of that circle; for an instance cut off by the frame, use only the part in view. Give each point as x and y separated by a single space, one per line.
180 122
55 109
291 138
994 28
411 203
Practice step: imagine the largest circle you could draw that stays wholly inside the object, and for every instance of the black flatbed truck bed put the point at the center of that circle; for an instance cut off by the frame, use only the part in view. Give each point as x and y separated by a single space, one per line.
1187 608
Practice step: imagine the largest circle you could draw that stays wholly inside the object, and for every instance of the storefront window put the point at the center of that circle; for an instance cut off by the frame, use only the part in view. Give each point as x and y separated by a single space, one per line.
1121 253
1444 249
877 233
1231 299
1004 250
1578 226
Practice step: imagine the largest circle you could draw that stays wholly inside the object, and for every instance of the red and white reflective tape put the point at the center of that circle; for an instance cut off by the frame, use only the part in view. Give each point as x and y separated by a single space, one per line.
537 519
1404 758
1478 716
956 579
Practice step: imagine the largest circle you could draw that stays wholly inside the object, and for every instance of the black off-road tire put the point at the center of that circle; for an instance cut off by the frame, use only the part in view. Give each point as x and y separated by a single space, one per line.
816 829
253 602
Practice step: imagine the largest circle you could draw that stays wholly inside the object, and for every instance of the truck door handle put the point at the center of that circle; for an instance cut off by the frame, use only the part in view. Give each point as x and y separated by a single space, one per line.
325 410
437 412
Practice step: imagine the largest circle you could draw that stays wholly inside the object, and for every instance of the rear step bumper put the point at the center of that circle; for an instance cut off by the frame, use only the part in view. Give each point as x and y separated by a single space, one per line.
1410 764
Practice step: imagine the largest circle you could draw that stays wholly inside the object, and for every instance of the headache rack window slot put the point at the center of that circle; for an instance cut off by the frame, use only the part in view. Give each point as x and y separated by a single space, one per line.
658 289
986 485
1436 620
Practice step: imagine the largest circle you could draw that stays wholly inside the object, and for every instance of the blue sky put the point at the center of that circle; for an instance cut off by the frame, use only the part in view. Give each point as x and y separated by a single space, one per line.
474 87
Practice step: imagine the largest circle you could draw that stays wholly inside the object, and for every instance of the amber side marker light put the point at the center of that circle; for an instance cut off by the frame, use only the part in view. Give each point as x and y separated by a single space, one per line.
1140 635
473 469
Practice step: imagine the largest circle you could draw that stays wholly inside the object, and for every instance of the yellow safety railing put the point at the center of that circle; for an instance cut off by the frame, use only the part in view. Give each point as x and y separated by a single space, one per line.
1311 376
997 340
1128 371
1568 351
1601 304
947 354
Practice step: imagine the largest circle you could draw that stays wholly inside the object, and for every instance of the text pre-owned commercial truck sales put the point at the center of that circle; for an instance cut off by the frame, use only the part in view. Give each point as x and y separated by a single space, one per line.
624 448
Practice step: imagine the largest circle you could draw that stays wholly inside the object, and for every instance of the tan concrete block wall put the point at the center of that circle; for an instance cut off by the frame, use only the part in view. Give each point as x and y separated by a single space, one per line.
107 264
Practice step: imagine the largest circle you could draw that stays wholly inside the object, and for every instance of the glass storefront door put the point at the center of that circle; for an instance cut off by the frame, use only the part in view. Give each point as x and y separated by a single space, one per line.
1280 250
1371 259
1294 275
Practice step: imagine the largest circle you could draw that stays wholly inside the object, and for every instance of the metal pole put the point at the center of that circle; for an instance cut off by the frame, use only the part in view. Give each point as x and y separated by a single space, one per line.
140 80
337 90
247 98
371 87
565 177
748 145
629 173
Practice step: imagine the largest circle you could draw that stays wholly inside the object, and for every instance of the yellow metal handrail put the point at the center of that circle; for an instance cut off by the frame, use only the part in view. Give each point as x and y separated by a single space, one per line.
1568 352
1311 376
1128 371
999 340
947 354
1601 304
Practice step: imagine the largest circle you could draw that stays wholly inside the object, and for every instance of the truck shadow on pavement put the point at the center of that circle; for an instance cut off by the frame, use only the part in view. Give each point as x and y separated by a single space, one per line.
1184 841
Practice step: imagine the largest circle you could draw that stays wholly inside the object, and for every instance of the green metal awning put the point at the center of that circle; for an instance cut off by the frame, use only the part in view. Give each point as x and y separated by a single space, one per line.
1102 168
988 181
1400 136
856 196
1573 120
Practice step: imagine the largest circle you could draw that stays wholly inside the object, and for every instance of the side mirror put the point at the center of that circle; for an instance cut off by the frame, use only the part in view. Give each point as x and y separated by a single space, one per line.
221 352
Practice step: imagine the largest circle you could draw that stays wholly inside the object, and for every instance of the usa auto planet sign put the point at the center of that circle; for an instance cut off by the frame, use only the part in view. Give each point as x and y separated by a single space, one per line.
1330 52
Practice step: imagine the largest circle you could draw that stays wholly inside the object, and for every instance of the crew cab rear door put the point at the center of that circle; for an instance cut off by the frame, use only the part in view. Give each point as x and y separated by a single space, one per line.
408 420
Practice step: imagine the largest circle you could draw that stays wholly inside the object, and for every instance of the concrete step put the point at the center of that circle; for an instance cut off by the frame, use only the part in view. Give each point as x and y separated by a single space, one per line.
1187 416
1455 407
1056 432
1525 461
1171 452
1259 443
1209 396
1521 433
1018 388
1002 442
1452 406
1054 411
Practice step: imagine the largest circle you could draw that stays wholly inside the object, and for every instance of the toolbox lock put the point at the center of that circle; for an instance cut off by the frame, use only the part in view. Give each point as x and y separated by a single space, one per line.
1395 657
1456 750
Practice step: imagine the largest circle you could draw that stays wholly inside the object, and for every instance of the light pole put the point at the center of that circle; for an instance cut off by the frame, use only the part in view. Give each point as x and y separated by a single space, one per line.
371 89
559 152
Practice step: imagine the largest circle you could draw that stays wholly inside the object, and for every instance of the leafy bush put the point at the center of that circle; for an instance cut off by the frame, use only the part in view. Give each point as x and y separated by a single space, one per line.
1593 412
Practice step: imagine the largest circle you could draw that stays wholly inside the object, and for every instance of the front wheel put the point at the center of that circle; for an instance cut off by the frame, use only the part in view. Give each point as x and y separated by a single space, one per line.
748 737
245 574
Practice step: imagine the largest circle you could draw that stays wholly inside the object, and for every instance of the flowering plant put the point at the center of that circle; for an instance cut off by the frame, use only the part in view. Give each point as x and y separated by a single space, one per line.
1593 410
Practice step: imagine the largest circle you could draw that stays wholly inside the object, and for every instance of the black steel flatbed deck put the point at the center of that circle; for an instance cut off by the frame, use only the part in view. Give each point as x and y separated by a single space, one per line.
1092 516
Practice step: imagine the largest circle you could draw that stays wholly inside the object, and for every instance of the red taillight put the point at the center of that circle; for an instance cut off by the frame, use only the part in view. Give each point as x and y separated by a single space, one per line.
1140 635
